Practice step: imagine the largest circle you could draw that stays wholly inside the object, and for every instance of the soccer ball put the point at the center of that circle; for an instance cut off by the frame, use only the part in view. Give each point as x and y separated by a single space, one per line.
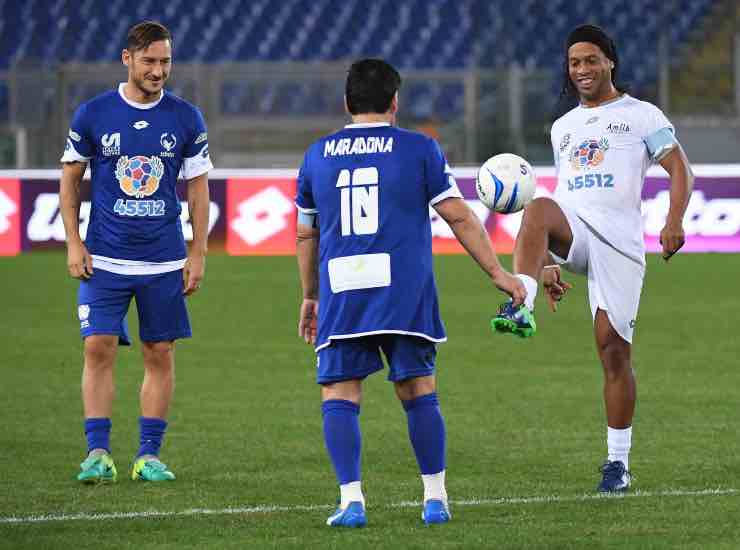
506 183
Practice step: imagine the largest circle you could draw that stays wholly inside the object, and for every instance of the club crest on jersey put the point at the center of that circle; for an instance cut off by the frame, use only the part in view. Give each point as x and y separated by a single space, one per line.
83 312
564 142
139 176
588 154
168 142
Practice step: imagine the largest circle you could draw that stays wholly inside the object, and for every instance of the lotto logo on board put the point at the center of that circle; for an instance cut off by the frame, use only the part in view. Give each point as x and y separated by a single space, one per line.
10 227
261 216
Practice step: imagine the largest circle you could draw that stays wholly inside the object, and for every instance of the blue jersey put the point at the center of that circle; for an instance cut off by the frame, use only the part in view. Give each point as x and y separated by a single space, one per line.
136 154
371 186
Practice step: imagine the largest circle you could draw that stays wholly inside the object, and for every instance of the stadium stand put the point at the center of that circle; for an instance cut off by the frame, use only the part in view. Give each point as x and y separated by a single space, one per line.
419 34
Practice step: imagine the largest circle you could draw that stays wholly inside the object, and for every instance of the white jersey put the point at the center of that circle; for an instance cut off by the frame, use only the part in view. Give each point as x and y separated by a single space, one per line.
601 156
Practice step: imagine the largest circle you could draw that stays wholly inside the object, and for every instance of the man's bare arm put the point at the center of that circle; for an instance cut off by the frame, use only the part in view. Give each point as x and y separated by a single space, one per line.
79 261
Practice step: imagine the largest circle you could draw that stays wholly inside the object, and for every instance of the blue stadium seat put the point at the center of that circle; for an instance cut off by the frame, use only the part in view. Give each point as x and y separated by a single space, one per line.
434 34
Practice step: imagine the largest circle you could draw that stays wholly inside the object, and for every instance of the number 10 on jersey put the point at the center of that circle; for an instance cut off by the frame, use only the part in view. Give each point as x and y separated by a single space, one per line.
359 200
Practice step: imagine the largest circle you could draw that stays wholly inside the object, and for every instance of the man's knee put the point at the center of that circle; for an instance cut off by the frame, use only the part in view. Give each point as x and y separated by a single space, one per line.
411 388
536 211
348 390
100 350
158 354
615 354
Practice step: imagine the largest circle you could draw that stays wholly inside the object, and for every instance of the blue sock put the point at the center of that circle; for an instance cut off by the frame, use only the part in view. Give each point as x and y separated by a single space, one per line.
97 431
151 433
427 432
342 437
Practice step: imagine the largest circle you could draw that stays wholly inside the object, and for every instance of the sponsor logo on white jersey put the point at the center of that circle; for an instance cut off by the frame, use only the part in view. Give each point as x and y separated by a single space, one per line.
618 128
588 154
564 142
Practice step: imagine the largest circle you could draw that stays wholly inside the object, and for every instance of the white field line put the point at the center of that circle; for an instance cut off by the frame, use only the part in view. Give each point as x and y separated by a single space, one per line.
277 509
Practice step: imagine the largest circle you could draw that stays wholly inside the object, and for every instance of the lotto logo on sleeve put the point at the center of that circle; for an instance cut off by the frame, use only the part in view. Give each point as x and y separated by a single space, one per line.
10 227
261 216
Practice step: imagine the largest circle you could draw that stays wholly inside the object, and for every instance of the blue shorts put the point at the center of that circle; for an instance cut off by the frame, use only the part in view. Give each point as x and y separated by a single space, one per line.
104 299
356 358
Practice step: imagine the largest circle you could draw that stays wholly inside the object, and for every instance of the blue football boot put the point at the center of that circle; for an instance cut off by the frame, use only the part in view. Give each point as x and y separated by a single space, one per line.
519 321
436 511
615 477
351 516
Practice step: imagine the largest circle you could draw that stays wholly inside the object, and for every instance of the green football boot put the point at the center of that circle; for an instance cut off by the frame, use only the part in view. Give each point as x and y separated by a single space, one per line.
151 469
519 321
98 468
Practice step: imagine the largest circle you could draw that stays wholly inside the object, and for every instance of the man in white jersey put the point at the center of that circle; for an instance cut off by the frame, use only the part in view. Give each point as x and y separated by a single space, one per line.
593 224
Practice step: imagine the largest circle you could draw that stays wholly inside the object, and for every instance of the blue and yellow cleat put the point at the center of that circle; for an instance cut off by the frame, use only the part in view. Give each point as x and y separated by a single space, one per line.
436 511
98 468
151 469
519 321
351 516
615 477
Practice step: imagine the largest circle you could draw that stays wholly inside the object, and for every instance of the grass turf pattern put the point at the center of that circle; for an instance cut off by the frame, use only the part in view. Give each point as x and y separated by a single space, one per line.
525 421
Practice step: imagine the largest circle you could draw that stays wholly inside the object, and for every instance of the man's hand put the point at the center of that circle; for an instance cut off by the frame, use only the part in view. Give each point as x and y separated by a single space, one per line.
512 285
307 322
192 273
672 238
79 261
555 287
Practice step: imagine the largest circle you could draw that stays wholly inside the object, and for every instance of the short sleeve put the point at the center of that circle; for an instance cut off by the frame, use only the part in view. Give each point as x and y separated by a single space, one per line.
304 200
440 183
196 158
80 145
555 151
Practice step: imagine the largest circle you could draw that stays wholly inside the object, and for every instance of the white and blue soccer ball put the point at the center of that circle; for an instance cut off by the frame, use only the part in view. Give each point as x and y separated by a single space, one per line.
506 183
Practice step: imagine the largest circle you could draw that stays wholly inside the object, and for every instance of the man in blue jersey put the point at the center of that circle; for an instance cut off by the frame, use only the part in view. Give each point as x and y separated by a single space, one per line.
137 140
365 254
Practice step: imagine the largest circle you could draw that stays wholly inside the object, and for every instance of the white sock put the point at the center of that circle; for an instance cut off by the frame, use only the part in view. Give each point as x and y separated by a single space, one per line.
531 286
434 486
351 492
618 443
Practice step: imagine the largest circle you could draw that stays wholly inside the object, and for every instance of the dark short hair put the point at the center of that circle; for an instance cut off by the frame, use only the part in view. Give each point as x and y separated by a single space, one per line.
141 35
371 85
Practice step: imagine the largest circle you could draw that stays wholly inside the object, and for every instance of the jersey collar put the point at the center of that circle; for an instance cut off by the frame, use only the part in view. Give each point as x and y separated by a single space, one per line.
136 105
368 125
610 102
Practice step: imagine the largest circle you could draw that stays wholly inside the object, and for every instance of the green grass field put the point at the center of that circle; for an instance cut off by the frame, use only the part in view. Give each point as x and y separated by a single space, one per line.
525 422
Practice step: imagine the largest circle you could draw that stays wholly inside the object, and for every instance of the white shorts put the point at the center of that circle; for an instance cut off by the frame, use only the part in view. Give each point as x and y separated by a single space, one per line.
614 279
